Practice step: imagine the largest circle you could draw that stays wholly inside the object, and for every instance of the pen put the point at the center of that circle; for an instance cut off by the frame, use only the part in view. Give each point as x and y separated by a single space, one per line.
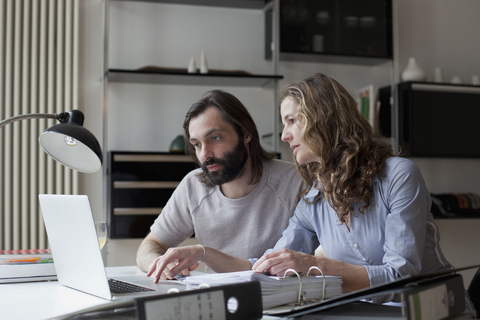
26 261
33 259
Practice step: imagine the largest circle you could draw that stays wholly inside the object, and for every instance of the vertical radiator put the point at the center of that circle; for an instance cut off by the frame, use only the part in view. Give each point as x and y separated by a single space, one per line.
38 74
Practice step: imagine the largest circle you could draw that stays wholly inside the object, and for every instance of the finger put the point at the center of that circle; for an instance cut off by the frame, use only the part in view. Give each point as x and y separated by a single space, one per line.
258 263
195 266
161 266
153 267
264 266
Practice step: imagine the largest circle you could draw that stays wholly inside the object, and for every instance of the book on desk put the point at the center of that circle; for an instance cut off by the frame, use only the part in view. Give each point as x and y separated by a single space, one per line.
17 266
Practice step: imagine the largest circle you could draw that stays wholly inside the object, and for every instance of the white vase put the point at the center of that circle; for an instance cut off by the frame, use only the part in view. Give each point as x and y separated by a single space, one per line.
413 72
203 63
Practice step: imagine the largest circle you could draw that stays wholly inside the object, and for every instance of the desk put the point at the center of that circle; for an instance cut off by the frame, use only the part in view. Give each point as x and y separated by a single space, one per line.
47 300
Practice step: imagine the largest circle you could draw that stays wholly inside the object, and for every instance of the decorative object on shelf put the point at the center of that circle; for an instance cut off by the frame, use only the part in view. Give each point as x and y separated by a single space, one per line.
192 66
413 72
437 75
351 22
177 145
203 63
317 43
476 80
368 22
456 80
322 17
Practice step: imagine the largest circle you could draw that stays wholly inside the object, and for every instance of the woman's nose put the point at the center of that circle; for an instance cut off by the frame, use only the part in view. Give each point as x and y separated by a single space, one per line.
285 135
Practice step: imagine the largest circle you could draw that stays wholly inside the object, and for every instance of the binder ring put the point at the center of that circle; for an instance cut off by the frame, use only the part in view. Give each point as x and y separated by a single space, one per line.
324 290
301 298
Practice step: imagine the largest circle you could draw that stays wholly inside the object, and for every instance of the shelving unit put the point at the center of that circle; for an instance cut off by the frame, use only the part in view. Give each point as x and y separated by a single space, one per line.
180 77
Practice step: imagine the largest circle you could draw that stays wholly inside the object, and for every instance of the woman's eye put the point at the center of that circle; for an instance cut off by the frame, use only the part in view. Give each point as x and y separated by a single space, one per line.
291 121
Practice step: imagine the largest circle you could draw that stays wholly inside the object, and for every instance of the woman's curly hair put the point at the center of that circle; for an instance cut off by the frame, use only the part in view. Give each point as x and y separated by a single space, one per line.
334 130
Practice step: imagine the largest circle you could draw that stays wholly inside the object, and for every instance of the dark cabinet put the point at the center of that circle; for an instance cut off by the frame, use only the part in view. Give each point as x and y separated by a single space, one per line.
315 30
140 185
439 120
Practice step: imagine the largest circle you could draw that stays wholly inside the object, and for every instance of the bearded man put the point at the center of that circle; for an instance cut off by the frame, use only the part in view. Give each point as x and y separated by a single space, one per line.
238 202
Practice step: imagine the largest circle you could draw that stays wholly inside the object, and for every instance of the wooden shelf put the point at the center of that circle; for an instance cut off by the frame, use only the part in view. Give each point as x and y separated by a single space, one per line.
184 78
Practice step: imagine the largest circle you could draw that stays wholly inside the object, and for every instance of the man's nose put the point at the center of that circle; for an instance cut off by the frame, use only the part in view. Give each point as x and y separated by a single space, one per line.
205 154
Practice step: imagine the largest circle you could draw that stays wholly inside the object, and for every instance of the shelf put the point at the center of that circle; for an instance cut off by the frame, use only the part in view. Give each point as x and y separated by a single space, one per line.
184 78
241 4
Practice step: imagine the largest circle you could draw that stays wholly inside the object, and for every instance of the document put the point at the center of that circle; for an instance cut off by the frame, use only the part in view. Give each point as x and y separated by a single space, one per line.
276 291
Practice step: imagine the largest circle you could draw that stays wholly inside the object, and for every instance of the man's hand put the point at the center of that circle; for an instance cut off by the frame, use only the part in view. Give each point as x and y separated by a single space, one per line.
180 260
277 262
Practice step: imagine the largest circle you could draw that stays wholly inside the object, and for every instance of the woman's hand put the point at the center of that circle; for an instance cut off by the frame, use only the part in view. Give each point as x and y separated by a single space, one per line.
180 260
277 262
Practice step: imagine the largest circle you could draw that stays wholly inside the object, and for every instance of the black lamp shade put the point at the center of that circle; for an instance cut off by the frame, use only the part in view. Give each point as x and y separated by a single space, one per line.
72 145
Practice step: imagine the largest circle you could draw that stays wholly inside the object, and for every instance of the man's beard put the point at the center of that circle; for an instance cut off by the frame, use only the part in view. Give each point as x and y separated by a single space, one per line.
232 165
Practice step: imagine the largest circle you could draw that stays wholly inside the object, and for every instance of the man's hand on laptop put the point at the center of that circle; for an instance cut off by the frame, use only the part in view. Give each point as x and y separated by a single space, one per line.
175 261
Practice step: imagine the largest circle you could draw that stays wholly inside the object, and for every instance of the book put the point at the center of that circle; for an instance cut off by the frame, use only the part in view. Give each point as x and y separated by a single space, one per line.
368 105
276 291
16 266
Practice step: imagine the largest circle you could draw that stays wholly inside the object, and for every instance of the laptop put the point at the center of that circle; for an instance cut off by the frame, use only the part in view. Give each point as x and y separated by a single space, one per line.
76 252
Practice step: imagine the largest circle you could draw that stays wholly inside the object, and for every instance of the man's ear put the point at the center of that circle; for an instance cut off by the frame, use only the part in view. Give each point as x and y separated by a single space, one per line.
247 137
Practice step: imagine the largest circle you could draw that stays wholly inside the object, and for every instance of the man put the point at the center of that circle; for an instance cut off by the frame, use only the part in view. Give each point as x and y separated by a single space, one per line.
238 203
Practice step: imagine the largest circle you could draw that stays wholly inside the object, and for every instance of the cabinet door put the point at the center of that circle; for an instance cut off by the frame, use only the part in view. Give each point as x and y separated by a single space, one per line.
140 186
340 27
439 120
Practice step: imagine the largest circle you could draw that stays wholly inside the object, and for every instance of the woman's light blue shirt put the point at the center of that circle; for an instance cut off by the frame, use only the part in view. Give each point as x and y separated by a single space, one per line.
397 237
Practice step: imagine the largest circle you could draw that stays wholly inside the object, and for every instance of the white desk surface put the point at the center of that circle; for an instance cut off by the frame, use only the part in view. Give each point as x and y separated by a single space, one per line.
49 299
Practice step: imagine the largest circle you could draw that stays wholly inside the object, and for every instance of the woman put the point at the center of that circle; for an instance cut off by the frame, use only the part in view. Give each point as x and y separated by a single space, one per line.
368 208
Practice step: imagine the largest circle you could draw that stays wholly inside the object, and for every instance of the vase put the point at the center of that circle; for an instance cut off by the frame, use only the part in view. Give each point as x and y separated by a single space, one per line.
413 72
203 62
177 145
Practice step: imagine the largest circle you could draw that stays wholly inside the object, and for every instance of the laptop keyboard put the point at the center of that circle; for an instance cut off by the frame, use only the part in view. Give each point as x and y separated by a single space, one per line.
117 286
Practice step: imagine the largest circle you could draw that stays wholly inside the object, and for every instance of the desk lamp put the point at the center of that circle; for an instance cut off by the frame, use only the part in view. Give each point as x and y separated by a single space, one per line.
68 142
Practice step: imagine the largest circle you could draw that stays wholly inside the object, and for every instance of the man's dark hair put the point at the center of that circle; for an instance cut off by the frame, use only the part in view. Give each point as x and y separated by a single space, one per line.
234 113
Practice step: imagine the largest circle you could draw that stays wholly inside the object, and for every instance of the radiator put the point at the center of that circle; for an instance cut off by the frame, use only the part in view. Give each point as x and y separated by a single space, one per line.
38 74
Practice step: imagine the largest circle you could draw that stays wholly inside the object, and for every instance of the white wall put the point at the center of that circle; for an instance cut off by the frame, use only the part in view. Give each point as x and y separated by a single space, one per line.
439 33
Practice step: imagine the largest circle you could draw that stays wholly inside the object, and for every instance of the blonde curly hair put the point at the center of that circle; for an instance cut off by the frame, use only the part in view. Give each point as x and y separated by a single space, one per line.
334 130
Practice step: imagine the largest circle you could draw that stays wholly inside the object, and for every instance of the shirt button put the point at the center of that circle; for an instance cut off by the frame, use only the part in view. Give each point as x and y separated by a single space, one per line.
355 245
364 259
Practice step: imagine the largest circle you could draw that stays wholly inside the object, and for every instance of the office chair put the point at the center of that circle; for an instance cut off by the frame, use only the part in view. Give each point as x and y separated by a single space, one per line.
474 291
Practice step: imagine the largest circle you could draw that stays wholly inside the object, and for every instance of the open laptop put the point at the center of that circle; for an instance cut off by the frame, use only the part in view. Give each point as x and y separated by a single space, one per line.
76 251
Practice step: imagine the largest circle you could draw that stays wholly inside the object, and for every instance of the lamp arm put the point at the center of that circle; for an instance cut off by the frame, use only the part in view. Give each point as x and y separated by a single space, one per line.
29 116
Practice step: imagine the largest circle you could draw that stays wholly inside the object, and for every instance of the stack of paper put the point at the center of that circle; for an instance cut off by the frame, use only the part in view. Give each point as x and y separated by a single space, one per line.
26 267
276 291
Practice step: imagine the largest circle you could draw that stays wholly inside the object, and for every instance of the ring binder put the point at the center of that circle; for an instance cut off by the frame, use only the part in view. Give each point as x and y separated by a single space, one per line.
324 290
302 295
292 290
